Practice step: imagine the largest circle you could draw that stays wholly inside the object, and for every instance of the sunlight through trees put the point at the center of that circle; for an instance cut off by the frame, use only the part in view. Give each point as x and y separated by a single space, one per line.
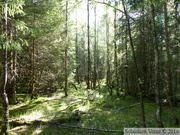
119 48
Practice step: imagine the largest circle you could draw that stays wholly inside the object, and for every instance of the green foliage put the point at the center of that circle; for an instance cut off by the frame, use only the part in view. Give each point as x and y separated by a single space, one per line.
12 42
21 26
15 7
47 112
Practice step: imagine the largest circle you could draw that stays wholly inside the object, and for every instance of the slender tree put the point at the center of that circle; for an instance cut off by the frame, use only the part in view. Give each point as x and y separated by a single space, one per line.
170 93
175 42
66 52
156 69
108 72
11 82
4 72
77 77
88 42
95 50
115 56
32 57
135 63
127 64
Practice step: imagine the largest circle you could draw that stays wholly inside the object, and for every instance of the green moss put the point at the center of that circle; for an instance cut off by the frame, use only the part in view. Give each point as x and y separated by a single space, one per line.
77 110
12 133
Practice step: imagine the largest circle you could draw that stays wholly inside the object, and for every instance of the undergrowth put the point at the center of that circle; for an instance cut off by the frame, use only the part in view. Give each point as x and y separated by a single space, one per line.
48 114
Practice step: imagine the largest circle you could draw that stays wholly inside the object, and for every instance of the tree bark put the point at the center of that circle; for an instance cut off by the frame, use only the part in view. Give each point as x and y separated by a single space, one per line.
89 58
115 57
108 72
5 103
170 93
157 72
77 77
14 73
95 50
66 53
11 82
176 39
32 65
126 65
136 66
3 74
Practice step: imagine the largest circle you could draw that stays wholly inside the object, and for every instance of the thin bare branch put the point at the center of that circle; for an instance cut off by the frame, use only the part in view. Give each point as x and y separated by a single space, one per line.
87 128
121 12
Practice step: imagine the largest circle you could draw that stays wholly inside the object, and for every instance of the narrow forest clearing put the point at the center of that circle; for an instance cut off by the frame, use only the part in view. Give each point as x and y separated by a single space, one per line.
83 112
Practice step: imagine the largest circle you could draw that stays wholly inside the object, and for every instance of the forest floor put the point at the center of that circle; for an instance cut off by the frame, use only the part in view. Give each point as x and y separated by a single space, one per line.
83 112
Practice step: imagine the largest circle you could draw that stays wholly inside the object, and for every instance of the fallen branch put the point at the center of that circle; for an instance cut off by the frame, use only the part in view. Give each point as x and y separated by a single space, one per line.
18 122
131 106
87 128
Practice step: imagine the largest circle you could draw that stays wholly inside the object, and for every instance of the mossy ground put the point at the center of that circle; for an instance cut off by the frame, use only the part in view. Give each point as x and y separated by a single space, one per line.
83 108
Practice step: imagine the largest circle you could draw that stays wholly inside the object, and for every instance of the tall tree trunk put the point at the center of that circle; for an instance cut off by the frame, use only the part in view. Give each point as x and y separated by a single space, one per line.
126 65
66 55
83 59
14 72
98 66
115 57
150 59
32 81
11 82
144 54
170 92
3 74
176 39
77 52
157 72
89 58
136 66
95 50
32 66
5 103
108 72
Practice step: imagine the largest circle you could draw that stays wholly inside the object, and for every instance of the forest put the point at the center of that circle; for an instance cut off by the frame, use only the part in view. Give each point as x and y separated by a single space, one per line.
83 67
